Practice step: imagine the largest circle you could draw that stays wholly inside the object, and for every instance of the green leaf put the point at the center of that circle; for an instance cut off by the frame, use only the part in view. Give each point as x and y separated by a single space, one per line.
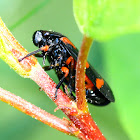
105 19
122 62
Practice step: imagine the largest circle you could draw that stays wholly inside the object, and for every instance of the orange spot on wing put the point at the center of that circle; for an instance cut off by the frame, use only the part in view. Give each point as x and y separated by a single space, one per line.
87 65
99 83
67 41
88 84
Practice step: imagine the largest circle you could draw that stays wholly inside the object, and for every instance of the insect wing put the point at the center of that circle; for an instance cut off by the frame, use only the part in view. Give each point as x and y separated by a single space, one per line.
105 89
92 75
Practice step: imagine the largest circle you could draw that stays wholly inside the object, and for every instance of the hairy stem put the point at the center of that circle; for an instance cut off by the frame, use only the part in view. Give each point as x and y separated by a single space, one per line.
37 113
80 74
11 51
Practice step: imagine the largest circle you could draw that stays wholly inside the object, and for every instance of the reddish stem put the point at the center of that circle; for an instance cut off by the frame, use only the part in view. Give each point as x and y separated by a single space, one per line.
30 68
80 74
37 113
82 120
87 126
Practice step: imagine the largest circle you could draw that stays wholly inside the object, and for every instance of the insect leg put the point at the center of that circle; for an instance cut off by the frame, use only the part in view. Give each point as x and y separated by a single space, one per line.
64 89
38 55
66 71
47 68
70 61
41 55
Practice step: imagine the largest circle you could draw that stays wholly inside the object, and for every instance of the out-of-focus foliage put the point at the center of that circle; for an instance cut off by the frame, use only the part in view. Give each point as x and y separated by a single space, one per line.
116 60
104 19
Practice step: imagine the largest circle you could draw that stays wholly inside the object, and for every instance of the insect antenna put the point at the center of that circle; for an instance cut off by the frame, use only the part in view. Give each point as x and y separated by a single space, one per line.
34 52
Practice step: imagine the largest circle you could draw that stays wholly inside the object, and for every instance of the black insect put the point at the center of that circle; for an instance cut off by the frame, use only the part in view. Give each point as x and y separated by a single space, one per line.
62 56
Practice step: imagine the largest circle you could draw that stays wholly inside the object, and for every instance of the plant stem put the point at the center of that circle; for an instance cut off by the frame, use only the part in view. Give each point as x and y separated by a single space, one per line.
80 74
11 51
37 113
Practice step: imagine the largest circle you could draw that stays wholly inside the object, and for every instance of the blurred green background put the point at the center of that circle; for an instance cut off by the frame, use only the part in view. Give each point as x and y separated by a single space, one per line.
117 60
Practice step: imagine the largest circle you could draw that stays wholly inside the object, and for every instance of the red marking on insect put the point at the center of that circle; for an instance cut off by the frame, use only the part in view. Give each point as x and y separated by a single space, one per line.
67 41
87 65
99 83
45 48
62 56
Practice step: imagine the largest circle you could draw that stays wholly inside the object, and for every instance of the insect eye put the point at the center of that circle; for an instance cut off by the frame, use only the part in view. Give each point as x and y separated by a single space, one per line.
37 38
